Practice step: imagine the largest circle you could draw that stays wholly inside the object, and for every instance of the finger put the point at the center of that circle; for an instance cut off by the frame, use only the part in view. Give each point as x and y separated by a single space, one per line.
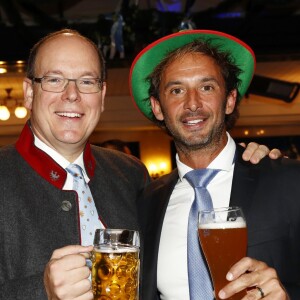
87 296
275 153
251 273
246 264
259 154
73 249
271 290
250 149
256 292
64 283
79 290
67 262
236 286
86 254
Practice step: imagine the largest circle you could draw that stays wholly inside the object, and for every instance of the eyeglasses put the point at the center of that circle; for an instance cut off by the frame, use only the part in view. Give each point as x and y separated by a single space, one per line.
59 84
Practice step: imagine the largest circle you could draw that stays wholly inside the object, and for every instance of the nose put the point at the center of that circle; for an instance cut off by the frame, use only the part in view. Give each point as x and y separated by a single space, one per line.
71 92
193 100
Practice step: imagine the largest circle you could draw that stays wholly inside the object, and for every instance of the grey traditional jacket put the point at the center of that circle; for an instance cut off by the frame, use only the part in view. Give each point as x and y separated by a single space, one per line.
37 216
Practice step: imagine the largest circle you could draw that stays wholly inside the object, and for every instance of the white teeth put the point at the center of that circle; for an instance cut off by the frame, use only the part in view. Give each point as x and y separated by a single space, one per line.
195 121
69 115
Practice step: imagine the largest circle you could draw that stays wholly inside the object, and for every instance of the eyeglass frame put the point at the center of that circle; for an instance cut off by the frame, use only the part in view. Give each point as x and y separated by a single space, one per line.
40 80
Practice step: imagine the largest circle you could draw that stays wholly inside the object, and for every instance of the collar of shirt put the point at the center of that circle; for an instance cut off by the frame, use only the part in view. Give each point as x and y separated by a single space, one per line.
64 163
223 161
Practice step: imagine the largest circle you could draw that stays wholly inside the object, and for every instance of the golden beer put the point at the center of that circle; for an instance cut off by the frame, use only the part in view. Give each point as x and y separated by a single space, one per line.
223 244
115 273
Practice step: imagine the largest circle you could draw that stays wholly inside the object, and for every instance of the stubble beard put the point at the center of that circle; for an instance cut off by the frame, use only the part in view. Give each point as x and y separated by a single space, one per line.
207 142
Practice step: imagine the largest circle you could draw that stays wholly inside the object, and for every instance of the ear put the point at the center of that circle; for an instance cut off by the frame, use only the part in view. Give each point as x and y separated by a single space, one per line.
28 93
231 100
103 93
156 109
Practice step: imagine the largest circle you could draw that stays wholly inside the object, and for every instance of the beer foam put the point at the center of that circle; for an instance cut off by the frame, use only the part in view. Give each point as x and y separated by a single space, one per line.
223 225
106 249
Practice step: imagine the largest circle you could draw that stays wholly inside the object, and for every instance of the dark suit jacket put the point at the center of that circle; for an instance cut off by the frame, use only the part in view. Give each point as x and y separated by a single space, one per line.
269 194
34 217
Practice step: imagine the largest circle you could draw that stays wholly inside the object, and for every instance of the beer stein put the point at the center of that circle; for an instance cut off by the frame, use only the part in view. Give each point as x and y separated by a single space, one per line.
223 238
116 264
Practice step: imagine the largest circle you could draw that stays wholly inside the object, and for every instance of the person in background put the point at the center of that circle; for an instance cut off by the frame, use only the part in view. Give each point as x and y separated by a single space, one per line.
116 144
44 239
190 84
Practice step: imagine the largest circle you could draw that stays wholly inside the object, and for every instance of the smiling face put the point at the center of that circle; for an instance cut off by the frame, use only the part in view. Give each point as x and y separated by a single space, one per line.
65 120
193 103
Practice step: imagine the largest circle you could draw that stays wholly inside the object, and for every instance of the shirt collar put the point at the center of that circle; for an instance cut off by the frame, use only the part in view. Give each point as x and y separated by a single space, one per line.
64 163
223 161
51 152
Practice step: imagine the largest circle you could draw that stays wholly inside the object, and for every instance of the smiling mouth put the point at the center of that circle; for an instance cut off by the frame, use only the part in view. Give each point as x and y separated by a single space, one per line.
194 122
69 114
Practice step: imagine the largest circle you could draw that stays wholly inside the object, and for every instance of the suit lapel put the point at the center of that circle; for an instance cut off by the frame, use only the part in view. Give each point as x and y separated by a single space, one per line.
244 183
160 191
163 194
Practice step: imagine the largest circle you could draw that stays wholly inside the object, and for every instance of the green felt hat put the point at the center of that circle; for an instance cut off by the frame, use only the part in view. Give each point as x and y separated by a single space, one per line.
146 61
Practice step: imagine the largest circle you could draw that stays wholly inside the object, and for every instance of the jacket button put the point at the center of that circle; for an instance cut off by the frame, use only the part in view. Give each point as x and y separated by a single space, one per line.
66 205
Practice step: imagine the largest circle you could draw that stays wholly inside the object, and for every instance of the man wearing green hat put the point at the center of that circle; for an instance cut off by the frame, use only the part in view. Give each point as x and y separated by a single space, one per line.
190 84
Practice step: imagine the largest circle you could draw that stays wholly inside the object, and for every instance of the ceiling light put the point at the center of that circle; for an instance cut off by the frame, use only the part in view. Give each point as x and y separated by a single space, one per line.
4 113
20 112
11 104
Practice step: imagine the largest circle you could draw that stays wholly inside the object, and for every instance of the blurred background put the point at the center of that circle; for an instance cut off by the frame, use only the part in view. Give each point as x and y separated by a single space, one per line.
269 113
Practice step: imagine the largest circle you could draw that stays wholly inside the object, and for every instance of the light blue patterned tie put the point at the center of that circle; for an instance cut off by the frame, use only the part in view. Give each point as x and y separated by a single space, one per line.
200 285
89 220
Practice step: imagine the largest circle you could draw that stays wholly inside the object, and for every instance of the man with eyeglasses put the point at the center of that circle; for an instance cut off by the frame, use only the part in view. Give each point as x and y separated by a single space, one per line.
43 245
40 214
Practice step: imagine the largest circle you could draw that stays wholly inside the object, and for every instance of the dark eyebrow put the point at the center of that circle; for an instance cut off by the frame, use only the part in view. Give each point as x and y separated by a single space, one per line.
171 83
203 80
206 79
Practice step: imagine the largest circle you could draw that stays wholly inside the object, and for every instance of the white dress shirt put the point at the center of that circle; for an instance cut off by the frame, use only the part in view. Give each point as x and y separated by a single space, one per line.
172 273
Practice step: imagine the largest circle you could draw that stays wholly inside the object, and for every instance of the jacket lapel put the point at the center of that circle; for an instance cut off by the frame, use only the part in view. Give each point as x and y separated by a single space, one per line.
160 191
163 193
244 182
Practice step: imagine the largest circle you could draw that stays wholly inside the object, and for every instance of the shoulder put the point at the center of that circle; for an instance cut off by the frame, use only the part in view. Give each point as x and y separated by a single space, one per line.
165 182
284 169
7 150
119 162
110 155
8 155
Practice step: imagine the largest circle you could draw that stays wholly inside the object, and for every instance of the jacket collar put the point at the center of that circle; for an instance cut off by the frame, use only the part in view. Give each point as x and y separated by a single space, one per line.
43 164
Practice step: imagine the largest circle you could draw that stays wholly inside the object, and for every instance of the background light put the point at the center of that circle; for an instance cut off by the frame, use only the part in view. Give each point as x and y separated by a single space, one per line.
4 113
20 112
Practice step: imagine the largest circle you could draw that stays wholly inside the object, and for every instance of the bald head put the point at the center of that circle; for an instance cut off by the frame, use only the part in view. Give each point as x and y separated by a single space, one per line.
31 65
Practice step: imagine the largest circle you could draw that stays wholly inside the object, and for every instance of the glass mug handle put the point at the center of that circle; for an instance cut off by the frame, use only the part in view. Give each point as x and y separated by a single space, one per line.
88 263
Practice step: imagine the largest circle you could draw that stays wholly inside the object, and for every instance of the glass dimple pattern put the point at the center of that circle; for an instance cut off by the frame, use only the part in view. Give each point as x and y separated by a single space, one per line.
115 275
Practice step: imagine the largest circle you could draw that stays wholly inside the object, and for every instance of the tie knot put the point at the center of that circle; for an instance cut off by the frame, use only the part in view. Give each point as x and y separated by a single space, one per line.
200 177
75 170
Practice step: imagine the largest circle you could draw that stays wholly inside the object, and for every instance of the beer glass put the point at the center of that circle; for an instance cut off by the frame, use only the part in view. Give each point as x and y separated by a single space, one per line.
116 264
223 238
